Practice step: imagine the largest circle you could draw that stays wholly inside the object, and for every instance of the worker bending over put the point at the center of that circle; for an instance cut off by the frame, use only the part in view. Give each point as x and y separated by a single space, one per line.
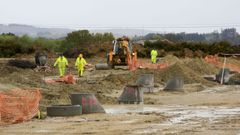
62 64
80 64
154 54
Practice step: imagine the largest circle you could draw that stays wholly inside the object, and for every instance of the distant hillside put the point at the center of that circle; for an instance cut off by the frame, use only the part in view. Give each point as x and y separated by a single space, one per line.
125 32
19 29
32 31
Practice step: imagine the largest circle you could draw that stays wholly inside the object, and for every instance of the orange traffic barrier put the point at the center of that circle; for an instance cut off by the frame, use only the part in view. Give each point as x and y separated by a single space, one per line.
140 64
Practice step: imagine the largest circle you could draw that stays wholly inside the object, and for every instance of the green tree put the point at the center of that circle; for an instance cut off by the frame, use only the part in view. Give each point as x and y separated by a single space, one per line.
81 37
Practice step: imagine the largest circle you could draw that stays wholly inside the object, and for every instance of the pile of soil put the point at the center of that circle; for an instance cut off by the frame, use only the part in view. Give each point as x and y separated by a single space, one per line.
236 76
6 87
170 59
178 69
200 66
121 80
161 76
235 79
6 70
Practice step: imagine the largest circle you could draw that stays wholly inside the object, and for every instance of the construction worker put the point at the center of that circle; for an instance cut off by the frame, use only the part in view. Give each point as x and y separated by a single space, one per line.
154 54
80 64
62 64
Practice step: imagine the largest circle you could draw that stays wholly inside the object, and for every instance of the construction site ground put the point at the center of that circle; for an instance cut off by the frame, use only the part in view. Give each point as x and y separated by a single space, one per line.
202 107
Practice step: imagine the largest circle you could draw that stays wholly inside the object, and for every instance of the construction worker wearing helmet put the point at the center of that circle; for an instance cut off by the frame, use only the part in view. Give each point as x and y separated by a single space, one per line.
80 64
62 63
154 54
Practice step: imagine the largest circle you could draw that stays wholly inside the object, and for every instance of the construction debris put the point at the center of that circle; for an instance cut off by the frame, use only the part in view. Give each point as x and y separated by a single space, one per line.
68 79
43 69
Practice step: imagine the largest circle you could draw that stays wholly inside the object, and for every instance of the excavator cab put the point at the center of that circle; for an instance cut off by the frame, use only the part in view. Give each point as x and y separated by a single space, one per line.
121 54
119 49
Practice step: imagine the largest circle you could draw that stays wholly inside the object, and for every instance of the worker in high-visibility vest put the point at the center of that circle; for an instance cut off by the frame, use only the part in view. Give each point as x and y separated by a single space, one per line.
62 63
154 54
80 64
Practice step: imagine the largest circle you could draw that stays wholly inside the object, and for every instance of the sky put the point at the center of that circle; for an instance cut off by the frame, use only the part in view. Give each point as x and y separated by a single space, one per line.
158 15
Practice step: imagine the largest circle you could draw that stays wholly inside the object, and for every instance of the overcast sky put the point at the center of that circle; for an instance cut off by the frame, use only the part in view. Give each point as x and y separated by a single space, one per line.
160 15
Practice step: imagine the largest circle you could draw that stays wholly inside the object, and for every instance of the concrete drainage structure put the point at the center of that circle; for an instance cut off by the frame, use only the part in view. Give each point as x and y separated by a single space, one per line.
131 95
223 76
88 102
81 104
146 82
175 83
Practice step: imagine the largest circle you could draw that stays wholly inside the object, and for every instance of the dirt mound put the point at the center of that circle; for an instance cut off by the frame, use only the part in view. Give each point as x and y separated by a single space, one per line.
200 66
120 80
161 76
6 87
6 70
235 79
183 71
236 76
171 59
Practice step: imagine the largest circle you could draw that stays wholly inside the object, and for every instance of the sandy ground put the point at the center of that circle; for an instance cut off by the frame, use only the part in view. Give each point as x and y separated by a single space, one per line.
197 110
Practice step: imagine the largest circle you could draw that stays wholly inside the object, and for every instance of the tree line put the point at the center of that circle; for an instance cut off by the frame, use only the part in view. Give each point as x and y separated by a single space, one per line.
192 49
90 44
11 45
229 35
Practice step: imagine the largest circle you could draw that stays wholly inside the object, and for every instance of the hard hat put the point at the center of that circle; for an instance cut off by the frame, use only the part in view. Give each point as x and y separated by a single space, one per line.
80 55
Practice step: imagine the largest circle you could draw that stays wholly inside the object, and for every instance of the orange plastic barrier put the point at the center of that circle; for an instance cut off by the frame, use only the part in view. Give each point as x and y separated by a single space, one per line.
68 79
215 61
18 105
140 64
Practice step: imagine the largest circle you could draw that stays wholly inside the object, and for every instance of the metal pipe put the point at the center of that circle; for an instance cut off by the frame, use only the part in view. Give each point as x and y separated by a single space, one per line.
102 66
224 63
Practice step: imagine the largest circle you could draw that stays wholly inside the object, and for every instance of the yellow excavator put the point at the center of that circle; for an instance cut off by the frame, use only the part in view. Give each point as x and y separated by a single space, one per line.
121 54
